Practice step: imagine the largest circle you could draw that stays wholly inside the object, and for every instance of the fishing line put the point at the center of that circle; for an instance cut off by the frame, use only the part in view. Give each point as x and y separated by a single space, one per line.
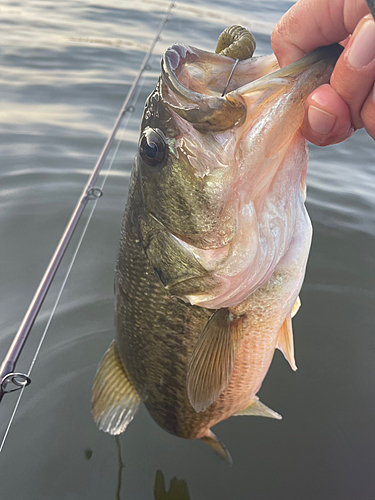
99 192
97 196
36 354
91 192
7 368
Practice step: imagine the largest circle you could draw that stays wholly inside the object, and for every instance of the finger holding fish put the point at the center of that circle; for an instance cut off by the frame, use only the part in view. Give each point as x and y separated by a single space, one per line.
350 99
354 75
333 111
327 117
309 24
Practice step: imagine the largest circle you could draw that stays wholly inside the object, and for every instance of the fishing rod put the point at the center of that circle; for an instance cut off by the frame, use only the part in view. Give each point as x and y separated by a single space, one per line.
8 375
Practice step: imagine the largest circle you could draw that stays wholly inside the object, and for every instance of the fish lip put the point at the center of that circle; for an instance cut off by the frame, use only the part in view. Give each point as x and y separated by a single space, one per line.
172 60
205 112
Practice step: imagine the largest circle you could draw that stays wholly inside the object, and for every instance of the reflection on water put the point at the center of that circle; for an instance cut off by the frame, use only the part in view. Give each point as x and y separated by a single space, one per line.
177 490
60 92
121 467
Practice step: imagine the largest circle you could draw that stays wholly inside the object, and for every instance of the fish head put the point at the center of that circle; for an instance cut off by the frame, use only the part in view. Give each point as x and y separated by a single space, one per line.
222 174
192 129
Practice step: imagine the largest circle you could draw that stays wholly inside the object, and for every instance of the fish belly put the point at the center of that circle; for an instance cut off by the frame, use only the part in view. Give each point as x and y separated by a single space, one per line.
263 315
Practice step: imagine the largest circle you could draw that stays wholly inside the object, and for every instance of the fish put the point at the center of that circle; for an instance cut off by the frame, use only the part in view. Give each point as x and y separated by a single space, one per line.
214 242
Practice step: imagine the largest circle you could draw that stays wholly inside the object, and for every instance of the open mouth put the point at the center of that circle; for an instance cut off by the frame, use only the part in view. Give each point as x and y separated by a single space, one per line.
207 73
194 81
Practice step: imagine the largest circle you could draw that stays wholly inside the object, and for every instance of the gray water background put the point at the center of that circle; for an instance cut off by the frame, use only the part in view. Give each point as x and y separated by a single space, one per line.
65 68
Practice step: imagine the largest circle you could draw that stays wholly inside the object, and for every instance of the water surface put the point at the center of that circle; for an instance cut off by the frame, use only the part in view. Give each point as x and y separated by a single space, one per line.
65 68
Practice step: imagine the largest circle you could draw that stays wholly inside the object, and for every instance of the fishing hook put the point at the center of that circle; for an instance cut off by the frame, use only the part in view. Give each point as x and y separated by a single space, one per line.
230 76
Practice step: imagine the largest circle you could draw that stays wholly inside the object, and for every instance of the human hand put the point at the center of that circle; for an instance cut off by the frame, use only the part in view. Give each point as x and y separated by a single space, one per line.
335 110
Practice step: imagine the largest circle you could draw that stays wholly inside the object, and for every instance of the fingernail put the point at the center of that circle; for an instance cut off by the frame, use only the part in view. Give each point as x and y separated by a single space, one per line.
320 121
362 51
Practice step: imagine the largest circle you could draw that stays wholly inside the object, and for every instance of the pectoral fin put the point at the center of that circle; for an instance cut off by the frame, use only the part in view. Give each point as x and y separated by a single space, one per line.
212 361
257 409
285 342
114 401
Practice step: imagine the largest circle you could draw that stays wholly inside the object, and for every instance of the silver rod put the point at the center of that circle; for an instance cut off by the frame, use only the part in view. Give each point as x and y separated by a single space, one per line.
9 363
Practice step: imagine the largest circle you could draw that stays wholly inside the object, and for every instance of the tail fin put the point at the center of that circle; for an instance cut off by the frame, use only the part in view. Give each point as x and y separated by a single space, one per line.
114 401
217 446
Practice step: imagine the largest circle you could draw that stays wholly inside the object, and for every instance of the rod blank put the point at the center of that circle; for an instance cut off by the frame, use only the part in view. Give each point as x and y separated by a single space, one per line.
9 363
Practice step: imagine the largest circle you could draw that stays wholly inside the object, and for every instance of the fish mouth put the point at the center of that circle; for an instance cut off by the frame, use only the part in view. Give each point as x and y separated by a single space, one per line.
194 81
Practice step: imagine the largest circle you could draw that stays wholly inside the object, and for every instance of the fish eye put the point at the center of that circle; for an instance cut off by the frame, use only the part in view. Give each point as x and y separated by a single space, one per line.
152 147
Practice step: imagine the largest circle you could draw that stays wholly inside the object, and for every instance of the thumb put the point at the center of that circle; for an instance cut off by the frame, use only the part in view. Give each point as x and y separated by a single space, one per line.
312 23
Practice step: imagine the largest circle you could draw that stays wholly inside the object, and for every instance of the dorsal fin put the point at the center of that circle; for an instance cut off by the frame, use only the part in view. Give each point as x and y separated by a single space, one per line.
212 362
257 409
114 401
217 446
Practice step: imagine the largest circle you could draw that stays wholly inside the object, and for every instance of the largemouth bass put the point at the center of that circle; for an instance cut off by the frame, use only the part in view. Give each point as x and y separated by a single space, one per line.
214 242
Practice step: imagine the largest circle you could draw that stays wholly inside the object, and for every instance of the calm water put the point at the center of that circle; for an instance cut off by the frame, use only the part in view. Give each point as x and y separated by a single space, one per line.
65 68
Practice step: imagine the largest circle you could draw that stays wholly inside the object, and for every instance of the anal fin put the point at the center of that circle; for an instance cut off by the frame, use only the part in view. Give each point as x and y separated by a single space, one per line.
212 361
114 401
285 342
257 409
217 446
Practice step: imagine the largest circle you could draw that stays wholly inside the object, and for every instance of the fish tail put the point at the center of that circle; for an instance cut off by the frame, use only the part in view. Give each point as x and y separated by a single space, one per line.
114 400
217 446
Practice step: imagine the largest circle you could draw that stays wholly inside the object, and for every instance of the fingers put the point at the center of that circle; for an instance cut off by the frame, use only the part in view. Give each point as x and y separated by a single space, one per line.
311 24
334 111
354 74
327 117
368 113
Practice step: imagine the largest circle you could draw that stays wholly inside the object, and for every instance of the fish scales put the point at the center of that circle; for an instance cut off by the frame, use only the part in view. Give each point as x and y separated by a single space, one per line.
157 363
214 243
